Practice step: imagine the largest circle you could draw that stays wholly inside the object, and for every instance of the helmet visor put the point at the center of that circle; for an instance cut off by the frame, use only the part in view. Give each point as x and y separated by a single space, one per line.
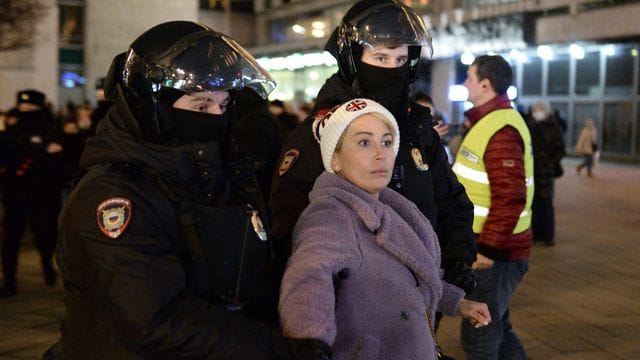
211 61
390 25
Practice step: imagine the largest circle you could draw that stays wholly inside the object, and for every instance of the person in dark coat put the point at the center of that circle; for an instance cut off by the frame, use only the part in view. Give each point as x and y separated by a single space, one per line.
288 121
259 135
548 151
382 71
31 186
103 105
383 245
163 248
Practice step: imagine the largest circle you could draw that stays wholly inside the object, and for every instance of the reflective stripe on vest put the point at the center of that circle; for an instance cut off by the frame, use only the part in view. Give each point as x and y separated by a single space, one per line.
471 171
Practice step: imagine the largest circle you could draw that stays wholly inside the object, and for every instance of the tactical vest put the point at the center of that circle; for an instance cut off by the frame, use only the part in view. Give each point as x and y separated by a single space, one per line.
472 173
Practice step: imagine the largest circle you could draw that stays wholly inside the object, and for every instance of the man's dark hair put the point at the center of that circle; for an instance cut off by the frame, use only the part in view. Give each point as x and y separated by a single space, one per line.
496 69
420 96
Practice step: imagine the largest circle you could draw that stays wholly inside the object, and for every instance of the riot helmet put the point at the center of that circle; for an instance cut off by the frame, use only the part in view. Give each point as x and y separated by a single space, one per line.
177 58
387 23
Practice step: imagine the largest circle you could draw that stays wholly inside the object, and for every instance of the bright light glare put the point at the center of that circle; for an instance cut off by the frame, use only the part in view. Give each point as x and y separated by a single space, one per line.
467 58
458 93
298 29
518 56
576 51
512 92
297 61
609 50
317 33
545 52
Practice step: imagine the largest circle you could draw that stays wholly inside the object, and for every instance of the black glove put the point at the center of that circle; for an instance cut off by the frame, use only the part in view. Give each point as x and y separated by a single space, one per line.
460 275
301 349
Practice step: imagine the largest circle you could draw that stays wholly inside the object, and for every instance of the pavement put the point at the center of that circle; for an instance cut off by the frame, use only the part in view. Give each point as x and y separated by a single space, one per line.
579 300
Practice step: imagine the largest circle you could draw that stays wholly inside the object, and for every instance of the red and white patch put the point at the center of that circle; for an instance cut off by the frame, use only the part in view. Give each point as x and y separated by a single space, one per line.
113 215
356 105
320 120
288 159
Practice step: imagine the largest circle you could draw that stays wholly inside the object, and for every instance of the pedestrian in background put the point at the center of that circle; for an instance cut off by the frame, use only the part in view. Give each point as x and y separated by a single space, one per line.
587 146
495 165
363 253
31 186
548 151
102 106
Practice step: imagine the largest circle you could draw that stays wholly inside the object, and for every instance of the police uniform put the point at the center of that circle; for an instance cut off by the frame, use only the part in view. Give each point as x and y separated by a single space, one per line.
163 246
31 188
421 173
128 266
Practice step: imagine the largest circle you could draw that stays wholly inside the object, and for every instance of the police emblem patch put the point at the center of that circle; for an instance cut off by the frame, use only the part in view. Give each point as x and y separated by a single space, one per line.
417 158
113 215
288 159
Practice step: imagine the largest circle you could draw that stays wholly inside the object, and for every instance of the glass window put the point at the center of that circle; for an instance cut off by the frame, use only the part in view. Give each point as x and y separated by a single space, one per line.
532 77
588 74
619 72
581 113
616 127
71 24
558 76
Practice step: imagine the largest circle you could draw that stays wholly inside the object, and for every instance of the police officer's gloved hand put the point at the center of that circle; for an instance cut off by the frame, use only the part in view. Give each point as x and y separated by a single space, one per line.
299 349
460 275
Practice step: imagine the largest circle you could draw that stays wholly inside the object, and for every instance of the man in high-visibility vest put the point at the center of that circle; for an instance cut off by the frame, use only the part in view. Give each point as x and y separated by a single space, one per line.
495 165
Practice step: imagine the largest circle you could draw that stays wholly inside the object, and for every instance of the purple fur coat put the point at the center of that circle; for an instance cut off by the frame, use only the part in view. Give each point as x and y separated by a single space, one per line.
393 259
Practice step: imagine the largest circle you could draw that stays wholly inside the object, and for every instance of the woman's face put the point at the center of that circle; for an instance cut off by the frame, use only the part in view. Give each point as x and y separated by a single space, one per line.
211 102
366 156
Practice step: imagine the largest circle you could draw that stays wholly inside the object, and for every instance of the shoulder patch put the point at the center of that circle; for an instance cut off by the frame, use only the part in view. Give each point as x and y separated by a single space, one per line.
113 216
288 159
416 154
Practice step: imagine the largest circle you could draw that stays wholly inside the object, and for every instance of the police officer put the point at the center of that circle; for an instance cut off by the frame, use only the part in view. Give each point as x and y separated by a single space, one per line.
163 247
378 47
31 187
103 105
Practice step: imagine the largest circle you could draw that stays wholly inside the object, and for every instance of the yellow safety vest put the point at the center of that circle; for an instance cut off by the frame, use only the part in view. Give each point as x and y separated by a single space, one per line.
472 173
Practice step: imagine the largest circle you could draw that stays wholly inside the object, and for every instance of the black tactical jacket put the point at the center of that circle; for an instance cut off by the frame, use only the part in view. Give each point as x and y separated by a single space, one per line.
423 177
185 278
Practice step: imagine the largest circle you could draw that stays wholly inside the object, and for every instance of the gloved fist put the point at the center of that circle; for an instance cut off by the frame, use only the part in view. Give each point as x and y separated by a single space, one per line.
460 275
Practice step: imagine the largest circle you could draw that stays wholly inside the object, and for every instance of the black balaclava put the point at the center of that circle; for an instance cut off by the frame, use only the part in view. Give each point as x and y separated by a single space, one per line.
191 127
198 127
388 86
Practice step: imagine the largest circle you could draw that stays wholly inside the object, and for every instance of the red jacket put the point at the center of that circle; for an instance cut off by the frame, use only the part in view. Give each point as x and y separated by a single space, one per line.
504 161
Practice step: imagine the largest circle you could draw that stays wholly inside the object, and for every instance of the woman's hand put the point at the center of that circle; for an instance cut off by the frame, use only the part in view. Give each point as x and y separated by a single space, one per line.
477 313
482 262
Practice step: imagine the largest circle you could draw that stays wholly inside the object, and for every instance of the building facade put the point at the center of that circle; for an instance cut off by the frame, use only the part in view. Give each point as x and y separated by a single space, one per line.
580 55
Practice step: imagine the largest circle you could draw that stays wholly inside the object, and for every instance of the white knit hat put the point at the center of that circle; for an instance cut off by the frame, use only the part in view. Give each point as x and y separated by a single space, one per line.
329 128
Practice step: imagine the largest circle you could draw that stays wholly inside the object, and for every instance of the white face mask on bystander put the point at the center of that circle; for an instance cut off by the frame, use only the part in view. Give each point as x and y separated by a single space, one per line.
539 115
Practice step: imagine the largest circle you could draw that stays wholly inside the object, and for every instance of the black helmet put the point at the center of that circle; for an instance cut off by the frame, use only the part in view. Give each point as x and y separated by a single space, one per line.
187 57
378 22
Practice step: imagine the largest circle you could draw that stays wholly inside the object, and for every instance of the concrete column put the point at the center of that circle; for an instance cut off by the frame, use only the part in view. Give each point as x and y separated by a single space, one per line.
442 76
35 67
112 25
